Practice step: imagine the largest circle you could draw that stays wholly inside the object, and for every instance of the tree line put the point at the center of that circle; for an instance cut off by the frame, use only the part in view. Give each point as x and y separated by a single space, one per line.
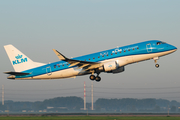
74 103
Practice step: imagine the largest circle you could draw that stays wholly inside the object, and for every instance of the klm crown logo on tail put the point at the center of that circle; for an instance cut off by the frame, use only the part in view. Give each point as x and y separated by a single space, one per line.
18 57
19 60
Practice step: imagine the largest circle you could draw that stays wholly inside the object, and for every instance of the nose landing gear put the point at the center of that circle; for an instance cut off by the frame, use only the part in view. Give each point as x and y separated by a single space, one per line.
157 65
155 60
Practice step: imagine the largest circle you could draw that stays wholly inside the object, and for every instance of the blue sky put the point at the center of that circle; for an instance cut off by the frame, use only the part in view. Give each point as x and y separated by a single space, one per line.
81 27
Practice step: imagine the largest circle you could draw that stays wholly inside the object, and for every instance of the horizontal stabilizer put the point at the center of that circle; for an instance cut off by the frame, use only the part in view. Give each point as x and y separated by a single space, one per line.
17 73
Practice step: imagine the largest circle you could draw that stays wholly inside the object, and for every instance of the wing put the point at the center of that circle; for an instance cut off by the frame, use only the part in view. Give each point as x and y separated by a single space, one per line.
81 64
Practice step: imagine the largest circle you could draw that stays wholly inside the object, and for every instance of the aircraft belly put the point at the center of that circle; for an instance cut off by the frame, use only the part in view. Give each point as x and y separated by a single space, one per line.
68 73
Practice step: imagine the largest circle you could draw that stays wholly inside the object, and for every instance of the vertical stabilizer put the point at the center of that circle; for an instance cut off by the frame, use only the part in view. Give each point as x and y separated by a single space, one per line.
19 61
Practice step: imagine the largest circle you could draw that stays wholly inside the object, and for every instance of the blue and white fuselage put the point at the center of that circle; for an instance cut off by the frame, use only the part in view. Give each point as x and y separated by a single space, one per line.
110 61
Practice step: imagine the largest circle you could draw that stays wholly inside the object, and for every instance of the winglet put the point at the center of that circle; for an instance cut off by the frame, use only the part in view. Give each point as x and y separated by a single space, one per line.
60 56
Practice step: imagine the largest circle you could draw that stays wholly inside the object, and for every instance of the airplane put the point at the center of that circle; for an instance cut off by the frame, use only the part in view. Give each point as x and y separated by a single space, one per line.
109 61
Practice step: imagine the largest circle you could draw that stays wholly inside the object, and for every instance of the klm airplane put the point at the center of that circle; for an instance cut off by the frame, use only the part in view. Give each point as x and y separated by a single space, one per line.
109 61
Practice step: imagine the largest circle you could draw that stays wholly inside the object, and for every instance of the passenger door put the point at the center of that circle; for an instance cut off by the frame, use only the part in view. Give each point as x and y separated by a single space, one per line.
149 47
48 70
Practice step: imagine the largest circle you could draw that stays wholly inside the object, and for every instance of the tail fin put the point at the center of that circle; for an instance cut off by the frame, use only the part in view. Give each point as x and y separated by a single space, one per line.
19 61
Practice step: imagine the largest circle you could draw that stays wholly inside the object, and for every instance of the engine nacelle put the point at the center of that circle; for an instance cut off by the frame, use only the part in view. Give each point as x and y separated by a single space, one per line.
110 66
113 67
118 70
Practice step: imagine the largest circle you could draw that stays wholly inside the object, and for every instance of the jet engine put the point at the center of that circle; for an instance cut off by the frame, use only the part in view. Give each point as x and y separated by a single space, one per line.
118 70
112 67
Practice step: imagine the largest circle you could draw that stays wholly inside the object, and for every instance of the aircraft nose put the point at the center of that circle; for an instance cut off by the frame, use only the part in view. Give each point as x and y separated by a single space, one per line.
173 47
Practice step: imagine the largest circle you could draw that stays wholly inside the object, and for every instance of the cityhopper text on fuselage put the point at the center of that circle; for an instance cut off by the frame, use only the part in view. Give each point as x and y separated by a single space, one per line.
109 61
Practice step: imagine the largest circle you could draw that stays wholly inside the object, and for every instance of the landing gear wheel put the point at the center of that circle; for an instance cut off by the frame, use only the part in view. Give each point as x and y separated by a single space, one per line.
98 79
92 77
157 65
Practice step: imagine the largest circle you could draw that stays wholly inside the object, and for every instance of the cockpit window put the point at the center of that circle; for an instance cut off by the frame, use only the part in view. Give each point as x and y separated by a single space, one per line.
158 43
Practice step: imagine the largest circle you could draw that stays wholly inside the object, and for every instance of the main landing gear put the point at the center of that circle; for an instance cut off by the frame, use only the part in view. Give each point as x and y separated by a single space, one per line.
97 78
155 60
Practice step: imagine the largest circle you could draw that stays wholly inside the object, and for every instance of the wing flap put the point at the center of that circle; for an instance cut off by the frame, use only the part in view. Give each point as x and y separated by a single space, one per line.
73 64
84 65
93 66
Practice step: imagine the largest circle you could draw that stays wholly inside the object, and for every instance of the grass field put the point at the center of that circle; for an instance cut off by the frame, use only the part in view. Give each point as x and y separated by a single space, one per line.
91 118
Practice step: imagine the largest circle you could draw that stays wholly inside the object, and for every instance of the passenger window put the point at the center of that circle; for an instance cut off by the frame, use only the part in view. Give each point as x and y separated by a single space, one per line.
54 66
111 54
129 50
89 59
107 54
137 47
58 65
98 57
124 51
102 55
120 52
133 48
116 53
